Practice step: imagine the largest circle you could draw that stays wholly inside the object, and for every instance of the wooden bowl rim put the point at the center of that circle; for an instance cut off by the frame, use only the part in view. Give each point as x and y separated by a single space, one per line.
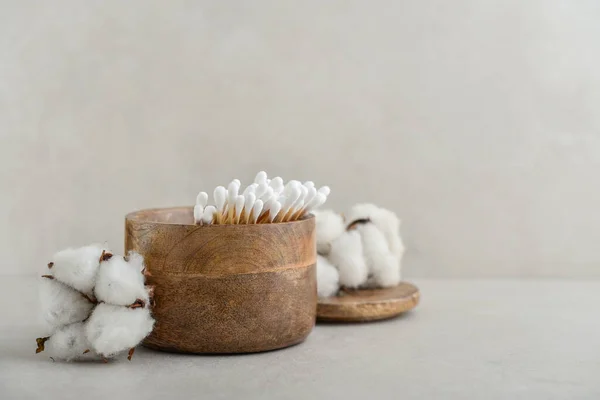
137 216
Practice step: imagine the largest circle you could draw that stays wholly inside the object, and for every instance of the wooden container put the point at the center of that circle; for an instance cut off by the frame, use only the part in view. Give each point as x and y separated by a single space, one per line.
226 288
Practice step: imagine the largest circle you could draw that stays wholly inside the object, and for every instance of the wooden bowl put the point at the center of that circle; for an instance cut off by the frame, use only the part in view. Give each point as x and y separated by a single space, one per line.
369 304
226 288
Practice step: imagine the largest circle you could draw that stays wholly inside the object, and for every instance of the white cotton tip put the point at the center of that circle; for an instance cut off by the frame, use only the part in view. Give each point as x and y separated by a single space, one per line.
237 182
256 210
293 196
310 195
316 202
328 278
250 199
220 195
62 305
69 343
274 210
113 329
329 226
309 184
77 267
198 211
250 189
383 266
293 184
346 254
232 192
208 215
239 206
325 190
261 190
261 177
202 199
277 184
121 282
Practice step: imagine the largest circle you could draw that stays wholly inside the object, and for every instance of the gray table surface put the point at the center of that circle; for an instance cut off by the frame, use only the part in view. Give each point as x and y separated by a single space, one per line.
468 339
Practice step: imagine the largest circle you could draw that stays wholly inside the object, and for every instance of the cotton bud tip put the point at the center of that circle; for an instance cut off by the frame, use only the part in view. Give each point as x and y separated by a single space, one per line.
261 177
209 212
325 190
202 199
275 209
198 212
232 192
220 195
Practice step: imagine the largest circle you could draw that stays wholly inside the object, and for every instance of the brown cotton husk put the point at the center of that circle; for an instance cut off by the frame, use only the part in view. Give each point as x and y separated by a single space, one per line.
40 343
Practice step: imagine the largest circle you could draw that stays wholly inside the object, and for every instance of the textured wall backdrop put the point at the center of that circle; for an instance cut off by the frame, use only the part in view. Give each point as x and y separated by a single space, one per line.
477 121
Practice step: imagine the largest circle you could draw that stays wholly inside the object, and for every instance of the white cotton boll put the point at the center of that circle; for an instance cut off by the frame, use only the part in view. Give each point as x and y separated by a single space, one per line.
361 211
389 224
113 329
328 278
384 267
261 177
69 343
77 267
347 255
385 220
120 282
202 199
208 215
61 305
329 226
198 211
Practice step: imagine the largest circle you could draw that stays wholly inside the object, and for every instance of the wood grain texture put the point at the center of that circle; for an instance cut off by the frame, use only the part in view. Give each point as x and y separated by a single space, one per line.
369 305
226 288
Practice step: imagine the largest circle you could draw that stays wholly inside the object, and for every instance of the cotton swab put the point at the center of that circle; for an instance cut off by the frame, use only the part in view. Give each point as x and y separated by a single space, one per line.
261 177
296 205
202 199
277 184
325 190
294 194
250 189
209 213
248 204
264 201
311 194
261 190
274 210
232 193
256 210
239 207
198 212
220 195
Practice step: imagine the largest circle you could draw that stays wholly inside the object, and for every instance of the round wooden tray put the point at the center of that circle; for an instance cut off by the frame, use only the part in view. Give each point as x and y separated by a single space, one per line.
369 305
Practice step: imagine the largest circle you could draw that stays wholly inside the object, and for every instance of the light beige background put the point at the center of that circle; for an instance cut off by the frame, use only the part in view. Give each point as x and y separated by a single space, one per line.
477 121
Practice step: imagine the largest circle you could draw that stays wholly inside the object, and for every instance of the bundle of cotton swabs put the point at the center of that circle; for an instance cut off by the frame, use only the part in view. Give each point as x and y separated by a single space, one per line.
264 201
